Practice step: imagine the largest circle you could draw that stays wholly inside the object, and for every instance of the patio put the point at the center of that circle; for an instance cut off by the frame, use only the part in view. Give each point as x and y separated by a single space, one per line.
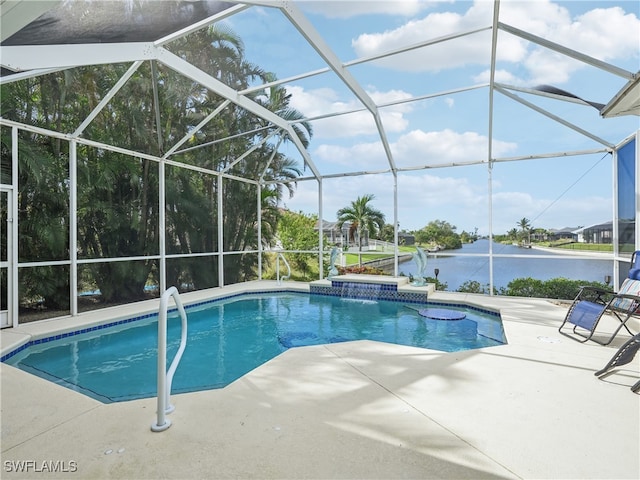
529 409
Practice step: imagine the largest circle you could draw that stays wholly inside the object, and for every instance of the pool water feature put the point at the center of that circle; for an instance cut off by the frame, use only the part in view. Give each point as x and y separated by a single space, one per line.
230 337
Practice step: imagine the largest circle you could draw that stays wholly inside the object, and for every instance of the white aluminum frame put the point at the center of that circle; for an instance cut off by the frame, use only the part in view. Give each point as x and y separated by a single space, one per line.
32 61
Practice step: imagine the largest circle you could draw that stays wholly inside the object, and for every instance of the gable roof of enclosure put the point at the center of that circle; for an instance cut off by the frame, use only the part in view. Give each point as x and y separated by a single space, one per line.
47 36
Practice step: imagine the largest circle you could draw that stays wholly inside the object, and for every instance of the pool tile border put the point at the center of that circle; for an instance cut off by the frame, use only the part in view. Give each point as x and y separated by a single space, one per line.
116 323
389 294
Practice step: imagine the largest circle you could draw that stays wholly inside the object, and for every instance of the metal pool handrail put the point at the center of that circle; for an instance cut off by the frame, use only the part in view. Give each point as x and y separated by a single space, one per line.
286 277
165 377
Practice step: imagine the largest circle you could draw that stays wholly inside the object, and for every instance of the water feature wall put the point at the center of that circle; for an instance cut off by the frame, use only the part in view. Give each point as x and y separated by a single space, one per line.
363 290
370 287
382 287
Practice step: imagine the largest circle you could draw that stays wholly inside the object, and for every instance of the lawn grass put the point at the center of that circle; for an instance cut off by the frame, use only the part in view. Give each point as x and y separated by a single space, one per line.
368 256
590 247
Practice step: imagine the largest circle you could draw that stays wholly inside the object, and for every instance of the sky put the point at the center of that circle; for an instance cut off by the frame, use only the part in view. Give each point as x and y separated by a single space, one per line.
452 123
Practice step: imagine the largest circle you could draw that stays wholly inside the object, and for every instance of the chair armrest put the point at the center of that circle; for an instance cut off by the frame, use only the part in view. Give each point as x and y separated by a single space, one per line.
625 302
594 294
595 289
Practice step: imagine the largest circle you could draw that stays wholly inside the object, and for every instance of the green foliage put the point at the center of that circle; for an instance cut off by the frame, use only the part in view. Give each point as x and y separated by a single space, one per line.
387 233
441 233
360 269
118 197
558 288
307 271
473 286
525 227
297 232
442 286
46 287
363 218
524 287
466 237
592 247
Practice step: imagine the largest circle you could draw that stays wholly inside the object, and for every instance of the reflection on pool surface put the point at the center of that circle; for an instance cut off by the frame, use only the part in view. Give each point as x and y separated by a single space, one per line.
228 338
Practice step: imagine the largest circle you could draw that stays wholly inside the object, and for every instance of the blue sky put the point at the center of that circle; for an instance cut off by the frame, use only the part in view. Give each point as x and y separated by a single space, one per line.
453 127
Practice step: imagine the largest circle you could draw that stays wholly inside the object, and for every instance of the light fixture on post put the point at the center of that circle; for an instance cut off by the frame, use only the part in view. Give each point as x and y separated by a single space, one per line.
436 271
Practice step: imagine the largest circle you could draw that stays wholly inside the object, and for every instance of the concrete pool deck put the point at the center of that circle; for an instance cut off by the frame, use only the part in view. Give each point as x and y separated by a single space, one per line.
530 409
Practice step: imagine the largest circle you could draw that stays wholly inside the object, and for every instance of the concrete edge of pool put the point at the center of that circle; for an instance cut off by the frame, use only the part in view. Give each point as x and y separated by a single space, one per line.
529 409
12 339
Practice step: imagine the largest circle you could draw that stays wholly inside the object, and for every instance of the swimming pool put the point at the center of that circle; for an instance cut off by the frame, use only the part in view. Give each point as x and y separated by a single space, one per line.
230 337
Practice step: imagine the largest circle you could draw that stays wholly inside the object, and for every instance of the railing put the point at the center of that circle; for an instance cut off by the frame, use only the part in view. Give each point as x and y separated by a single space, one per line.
165 377
286 277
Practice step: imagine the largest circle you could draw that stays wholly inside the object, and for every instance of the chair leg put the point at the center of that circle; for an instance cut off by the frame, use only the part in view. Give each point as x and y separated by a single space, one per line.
585 315
623 323
625 354
573 334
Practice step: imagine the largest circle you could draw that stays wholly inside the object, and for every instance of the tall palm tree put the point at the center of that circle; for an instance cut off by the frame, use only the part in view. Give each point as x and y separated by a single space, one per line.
525 225
363 218
220 52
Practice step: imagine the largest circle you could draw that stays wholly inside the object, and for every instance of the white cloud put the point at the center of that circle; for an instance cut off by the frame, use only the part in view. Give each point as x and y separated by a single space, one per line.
461 201
444 147
473 49
432 190
501 76
322 101
604 33
459 196
351 8
390 96
511 206
414 148
359 156
424 197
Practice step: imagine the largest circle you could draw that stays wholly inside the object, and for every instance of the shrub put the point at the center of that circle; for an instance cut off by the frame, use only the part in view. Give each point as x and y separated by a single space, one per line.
442 286
473 286
558 288
360 269
524 287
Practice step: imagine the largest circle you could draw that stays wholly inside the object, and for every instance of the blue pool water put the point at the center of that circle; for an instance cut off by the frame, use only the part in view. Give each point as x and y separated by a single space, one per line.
229 338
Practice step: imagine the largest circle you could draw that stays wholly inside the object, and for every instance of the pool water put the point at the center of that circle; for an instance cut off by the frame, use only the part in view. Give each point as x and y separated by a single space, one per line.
229 338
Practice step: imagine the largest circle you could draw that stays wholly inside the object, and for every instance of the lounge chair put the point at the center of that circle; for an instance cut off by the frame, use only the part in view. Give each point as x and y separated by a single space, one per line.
624 355
592 304
634 271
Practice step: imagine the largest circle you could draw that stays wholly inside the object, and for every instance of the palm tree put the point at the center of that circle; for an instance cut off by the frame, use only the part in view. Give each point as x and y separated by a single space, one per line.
363 218
525 225
220 52
118 195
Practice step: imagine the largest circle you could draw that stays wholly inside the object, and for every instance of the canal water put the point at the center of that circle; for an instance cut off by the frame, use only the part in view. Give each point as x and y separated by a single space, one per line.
456 270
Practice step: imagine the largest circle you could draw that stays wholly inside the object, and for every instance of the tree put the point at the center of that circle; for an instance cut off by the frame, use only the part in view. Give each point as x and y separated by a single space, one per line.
466 237
194 221
441 233
473 286
525 226
297 232
387 233
364 219
118 197
43 194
